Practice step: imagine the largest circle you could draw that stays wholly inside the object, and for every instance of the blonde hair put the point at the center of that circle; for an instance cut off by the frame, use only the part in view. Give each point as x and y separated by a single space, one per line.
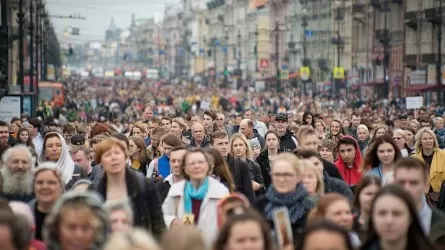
182 237
361 126
418 144
319 191
182 124
249 153
289 158
134 239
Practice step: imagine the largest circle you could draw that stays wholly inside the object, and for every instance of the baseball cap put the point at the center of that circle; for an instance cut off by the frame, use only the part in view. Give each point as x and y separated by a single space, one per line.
78 139
281 117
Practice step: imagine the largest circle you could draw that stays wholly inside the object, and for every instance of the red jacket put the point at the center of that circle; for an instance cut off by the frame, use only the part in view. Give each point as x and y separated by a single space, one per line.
37 245
353 175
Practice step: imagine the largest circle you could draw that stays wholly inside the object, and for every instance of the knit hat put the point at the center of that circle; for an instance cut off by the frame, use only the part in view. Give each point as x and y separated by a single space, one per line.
254 143
99 128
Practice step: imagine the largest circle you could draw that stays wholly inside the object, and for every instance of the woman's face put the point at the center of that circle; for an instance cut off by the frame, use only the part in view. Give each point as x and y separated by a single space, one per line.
325 240
310 181
346 124
439 124
271 141
196 166
256 152
400 140
119 221
386 153
335 128
53 148
24 135
308 119
208 121
319 126
284 176
176 129
133 148
15 126
362 135
75 229
113 160
414 126
326 154
239 148
409 136
137 132
47 187
367 196
427 141
340 213
246 235
380 132
391 218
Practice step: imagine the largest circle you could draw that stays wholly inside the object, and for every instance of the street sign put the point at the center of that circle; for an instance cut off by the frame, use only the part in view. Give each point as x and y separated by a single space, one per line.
305 73
284 74
264 63
339 73
9 107
308 33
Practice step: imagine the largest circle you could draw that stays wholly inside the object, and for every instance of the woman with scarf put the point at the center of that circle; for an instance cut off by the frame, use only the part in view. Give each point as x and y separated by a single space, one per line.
55 150
195 199
362 137
335 130
328 150
286 191
427 150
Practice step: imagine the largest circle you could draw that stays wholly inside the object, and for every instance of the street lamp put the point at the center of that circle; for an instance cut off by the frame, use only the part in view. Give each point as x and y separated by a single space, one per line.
304 24
226 56
239 52
21 21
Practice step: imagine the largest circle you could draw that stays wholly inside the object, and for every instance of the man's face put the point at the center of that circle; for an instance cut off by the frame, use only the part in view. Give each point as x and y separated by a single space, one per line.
198 132
176 158
4 134
412 181
68 136
220 120
355 120
19 162
32 130
310 142
425 125
222 145
281 126
347 153
148 114
166 124
151 126
238 120
245 129
81 159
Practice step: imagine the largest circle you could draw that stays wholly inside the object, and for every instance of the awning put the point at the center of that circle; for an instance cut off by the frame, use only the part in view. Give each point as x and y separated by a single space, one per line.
424 87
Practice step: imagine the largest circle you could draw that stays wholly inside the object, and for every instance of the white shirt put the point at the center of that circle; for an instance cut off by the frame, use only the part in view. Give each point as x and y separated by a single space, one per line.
38 144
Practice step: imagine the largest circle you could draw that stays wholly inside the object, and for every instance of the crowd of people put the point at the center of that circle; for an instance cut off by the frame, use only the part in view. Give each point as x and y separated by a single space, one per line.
210 172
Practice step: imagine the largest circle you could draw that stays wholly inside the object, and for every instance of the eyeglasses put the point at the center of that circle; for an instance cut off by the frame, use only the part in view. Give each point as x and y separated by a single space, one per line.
397 138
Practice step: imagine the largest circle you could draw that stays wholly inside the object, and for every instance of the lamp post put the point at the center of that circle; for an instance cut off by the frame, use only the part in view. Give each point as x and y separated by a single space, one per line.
304 24
255 49
21 21
277 52
386 40
31 48
226 55
439 49
239 52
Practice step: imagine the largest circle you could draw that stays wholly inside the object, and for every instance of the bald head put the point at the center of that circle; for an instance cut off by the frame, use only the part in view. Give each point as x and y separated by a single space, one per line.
23 209
246 128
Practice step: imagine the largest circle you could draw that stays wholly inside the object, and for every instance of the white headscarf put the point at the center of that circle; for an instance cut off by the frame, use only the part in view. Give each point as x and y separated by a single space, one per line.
65 163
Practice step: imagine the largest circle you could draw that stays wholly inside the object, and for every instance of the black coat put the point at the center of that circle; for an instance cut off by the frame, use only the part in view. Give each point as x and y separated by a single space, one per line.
78 174
331 169
263 161
162 187
144 200
241 177
334 185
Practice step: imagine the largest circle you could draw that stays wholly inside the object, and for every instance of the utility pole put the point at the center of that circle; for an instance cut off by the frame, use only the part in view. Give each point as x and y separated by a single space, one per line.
255 50
21 21
239 53
385 40
226 56
439 51
277 53
304 24
31 47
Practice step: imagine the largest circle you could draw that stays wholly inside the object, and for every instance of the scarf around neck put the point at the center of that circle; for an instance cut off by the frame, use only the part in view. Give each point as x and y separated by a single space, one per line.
190 192
296 202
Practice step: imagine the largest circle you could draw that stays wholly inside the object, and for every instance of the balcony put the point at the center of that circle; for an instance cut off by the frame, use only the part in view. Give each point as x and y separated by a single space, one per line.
397 1
411 19
212 4
376 4
338 40
358 8
383 35
323 64
432 16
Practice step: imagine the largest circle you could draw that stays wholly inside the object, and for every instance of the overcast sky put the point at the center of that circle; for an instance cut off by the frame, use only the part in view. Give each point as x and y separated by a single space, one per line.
98 14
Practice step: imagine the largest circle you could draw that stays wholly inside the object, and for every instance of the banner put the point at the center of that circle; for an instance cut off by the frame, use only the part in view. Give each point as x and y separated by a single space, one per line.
305 73
339 73
50 73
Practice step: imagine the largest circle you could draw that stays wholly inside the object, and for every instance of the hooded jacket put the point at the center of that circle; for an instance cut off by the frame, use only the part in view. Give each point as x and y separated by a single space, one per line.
288 142
204 144
351 174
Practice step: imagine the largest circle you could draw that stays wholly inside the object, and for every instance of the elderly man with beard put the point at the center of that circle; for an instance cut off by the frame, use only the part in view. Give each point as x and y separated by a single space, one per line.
16 174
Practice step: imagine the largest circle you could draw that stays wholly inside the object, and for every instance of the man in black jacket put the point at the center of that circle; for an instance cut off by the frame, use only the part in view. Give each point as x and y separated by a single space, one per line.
308 139
239 169
288 142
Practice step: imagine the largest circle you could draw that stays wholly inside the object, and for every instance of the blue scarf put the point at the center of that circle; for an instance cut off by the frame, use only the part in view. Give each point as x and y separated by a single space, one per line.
191 193
297 202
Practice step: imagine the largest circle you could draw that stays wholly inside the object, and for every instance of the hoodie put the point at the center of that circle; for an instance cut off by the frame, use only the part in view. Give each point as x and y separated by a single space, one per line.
351 174
204 144
288 142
